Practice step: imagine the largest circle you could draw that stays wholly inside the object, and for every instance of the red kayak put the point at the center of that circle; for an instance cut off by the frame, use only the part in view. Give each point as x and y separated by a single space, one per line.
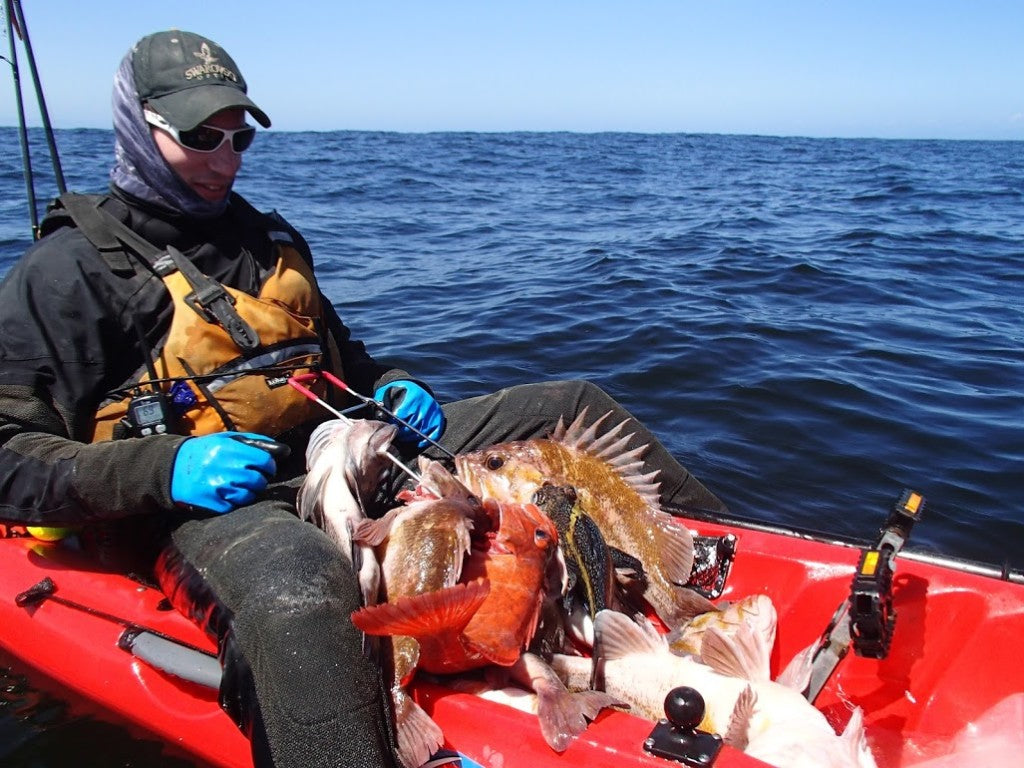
948 690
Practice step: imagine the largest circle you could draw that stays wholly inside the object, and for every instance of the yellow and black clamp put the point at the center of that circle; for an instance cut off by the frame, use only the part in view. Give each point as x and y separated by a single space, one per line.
867 619
872 617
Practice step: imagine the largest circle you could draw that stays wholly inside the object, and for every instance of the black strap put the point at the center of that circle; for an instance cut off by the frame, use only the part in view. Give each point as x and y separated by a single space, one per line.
208 297
225 419
214 304
111 236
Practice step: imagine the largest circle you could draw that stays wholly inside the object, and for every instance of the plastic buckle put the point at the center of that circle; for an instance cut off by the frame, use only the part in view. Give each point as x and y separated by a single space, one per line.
201 307
218 307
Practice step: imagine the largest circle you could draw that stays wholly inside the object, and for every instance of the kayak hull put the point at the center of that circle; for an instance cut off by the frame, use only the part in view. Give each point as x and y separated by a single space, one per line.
952 659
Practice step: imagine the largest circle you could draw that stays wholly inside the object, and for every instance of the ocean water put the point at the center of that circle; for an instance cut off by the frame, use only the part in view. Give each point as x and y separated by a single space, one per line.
810 325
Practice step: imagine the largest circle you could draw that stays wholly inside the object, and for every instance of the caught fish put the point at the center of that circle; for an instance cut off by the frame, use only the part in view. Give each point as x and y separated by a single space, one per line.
769 721
488 618
591 571
594 570
755 611
422 547
346 465
612 491
491 616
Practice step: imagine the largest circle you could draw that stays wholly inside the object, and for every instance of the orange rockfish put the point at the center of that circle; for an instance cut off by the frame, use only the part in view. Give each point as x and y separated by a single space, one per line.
422 547
442 626
488 618
612 491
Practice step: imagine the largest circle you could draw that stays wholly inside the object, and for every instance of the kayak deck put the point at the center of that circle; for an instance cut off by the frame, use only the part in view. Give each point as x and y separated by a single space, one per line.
952 659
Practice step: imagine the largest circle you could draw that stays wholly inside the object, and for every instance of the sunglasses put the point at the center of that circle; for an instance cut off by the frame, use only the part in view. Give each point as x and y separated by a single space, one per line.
205 138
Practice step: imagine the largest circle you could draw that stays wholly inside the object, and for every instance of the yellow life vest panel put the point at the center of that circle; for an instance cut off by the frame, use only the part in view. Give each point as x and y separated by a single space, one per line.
227 385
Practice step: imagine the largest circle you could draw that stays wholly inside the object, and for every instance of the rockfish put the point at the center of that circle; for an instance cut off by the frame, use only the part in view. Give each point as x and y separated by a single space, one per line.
491 616
766 720
587 556
422 547
594 573
442 626
346 465
611 490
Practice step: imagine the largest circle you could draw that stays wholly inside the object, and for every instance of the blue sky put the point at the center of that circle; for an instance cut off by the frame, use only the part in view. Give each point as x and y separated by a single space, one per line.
893 69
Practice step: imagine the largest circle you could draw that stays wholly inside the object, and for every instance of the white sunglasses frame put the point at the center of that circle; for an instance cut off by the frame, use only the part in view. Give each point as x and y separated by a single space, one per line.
157 121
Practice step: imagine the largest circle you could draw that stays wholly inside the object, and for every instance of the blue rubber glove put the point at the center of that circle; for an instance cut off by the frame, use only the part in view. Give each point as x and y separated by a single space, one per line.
218 472
411 402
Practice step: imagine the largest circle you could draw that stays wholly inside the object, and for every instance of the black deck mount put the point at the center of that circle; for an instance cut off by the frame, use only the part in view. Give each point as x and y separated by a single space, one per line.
675 737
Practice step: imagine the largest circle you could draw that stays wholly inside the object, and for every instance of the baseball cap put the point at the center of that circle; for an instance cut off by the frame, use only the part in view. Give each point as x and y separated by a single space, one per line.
185 78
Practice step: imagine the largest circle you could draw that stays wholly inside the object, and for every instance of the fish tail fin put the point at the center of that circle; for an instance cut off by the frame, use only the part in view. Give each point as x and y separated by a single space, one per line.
561 713
445 610
684 605
418 736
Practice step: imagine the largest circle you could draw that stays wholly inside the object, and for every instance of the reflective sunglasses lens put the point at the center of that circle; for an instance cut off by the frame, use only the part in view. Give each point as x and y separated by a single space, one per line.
242 139
204 138
207 138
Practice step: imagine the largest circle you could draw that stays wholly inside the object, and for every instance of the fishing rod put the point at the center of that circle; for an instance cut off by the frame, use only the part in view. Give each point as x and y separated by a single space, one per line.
16 26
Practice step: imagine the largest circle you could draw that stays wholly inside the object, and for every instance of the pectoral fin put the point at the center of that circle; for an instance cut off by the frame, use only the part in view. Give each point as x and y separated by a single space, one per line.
741 655
797 674
739 722
432 613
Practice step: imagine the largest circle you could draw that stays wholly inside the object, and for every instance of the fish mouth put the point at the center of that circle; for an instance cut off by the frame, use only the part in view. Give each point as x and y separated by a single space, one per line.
382 437
492 541
372 469
512 525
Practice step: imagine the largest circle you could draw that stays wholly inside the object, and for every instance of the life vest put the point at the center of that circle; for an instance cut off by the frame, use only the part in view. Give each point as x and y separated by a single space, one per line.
222 341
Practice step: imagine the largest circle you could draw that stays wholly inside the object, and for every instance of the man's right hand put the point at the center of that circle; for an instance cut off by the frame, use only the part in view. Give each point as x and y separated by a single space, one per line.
219 472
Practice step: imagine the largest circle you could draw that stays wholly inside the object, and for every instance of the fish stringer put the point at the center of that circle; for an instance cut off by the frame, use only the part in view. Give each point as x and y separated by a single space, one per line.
300 381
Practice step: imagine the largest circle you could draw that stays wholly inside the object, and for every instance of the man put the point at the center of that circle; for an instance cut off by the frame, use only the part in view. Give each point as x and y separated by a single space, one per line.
145 341
89 312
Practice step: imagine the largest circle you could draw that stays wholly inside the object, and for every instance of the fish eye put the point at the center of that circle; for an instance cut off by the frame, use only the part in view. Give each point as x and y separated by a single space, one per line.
494 462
